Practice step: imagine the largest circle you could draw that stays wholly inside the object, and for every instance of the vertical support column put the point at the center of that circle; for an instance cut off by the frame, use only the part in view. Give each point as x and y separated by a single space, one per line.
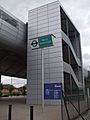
88 97
0 87
67 27
75 42
42 78
70 74
69 55
0 79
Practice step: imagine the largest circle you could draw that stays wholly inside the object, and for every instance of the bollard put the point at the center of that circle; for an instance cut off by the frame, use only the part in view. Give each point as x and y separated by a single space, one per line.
31 112
9 112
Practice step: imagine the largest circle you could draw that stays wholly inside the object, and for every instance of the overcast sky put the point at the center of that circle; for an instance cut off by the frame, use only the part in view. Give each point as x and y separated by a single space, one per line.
78 11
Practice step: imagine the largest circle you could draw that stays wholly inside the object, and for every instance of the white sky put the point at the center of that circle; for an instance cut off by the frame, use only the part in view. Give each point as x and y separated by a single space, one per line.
17 82
78 11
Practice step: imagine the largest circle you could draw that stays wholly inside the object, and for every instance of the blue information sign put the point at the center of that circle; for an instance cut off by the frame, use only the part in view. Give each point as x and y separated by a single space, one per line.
52 91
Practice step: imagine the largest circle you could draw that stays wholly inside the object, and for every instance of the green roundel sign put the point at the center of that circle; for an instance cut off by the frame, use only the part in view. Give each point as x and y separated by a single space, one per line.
34 43
41 42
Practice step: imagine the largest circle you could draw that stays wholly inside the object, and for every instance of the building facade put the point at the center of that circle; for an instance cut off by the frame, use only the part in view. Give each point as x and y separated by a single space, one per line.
12 45
62 61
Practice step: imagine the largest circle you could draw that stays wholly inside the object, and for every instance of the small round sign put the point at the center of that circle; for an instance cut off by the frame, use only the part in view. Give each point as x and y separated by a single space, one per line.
34 43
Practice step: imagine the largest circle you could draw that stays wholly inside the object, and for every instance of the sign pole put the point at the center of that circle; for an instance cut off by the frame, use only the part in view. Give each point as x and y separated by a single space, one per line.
42 52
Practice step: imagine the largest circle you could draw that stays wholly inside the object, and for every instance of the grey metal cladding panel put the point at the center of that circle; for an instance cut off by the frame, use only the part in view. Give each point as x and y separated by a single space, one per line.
46 70
20 22
7 39
55 70
56 79
11 37
22 26
52 102
32 28
34 67
55 49
53 15
53 60
33 72
33 63
55 54
11 31
6 26
33 88
32 82
39 71
39 66
46 75
39 98
52 11
43 22
53 5
44 26
42 30
32 12
32 32
53 27
42 18
12 27
33 53
52 19
39 77
41 14
32 35
55 65
33 58
42 8
32 96
43 33
32 18
39 62
53 75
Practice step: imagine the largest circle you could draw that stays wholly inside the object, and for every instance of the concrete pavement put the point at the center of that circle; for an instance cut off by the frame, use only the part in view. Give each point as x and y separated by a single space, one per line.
21 111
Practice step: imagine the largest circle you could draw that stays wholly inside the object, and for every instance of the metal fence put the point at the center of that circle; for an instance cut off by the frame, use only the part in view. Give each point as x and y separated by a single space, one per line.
75 105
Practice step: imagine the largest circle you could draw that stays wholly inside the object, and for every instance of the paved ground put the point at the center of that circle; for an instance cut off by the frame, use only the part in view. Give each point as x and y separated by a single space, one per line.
21 111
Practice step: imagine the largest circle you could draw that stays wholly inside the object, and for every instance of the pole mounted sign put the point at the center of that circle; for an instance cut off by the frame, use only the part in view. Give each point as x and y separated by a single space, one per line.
49 91
41 42
52 91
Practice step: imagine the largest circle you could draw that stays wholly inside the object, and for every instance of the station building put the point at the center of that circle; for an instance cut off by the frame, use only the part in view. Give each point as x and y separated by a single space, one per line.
62 61
49 70
12 45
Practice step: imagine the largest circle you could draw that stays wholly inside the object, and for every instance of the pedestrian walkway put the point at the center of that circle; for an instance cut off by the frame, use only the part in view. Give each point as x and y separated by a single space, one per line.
20 111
